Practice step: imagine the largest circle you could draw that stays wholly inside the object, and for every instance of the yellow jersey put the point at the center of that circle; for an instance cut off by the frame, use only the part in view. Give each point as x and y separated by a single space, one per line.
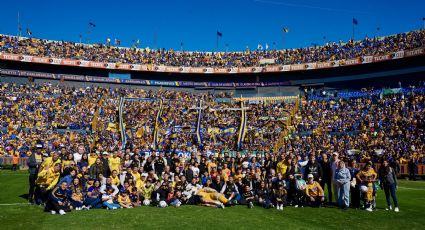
281 167
314 189
114 164
48 178
48 163
91 160
115 180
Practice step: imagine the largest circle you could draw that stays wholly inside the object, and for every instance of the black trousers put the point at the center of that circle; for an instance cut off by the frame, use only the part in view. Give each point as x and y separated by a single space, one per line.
316 203
31 180
355 196
53 205
328 183
412 175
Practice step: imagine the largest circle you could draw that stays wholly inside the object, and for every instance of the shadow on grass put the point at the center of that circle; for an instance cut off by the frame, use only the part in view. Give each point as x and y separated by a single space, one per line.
24 196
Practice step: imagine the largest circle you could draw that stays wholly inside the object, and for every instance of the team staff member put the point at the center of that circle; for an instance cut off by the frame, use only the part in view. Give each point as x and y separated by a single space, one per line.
160 163
46 181
326 175
34 162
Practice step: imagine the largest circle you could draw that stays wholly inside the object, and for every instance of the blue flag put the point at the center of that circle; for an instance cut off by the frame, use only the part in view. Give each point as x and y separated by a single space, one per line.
355 22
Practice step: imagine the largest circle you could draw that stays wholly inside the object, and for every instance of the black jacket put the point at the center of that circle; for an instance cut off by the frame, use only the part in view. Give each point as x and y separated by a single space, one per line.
32 164
326 170
313 168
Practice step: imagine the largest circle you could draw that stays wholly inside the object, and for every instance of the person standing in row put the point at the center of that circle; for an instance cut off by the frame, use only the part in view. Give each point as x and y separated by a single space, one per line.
388 179
342 179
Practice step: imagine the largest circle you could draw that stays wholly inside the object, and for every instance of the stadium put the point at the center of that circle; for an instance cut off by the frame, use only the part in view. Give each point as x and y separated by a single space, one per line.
101 135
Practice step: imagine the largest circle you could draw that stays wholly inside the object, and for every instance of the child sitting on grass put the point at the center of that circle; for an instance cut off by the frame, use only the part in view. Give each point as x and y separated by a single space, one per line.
109 200
124 200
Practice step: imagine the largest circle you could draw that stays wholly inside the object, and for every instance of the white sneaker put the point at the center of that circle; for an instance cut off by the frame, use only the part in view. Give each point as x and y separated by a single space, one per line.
296 206
396 209
389 208
278 207
53 212
113 208
62 212
369 209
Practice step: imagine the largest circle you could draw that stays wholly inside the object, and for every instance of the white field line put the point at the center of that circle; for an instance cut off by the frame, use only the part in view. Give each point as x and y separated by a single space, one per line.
417 189
13 204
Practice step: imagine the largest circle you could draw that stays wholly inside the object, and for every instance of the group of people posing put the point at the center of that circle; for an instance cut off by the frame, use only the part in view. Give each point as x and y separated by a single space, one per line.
74 181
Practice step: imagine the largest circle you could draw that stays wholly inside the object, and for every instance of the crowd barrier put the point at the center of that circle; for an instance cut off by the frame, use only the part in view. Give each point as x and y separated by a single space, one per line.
404 170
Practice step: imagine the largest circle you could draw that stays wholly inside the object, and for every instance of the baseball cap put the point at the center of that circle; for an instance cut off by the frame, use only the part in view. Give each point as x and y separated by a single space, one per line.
310 176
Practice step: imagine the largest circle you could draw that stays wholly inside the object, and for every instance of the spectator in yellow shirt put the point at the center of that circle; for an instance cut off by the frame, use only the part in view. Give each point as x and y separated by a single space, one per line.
115 179
314 192
46 181
115 163
50 161
92 159
282 166
225 172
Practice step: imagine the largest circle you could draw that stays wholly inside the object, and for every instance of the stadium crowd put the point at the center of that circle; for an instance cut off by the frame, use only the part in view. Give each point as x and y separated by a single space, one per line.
77 159
107 53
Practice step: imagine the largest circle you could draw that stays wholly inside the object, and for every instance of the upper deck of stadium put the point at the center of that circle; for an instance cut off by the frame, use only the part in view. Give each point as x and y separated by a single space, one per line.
101 56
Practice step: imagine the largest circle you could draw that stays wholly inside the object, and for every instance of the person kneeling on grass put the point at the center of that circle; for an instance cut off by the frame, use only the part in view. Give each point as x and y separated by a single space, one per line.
124 200
146 193
230 191
247 197
314 192
280 195
108 199
262 196
176 199
93 197
77 197
58 200
134 197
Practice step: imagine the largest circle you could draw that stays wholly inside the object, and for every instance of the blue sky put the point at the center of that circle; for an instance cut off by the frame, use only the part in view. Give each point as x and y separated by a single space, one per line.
167 23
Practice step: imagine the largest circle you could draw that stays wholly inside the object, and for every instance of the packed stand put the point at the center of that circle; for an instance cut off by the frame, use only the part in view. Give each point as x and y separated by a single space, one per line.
106 53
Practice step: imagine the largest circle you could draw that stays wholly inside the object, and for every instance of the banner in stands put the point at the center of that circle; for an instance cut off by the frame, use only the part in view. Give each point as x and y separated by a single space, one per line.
66 77
209 70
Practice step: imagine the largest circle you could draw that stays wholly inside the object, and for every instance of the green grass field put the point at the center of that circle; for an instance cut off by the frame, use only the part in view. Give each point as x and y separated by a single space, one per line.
19 215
